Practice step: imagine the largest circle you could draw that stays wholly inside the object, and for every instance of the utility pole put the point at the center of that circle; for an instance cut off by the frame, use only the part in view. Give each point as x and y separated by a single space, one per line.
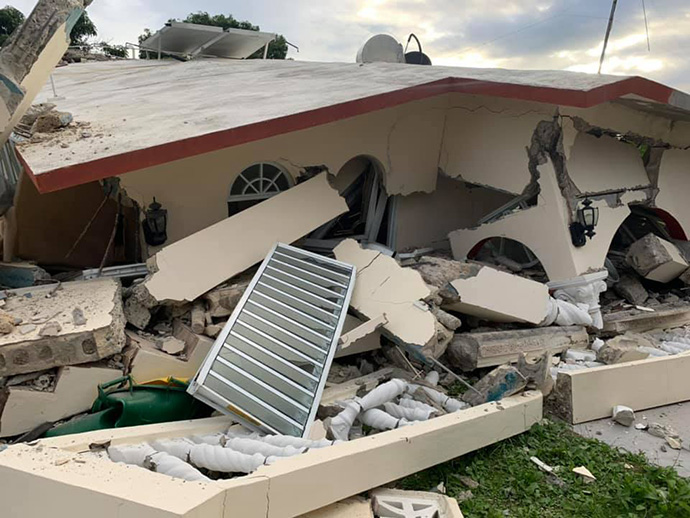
608 33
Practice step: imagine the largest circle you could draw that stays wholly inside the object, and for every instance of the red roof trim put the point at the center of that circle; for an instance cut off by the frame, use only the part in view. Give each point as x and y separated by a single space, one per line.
70 176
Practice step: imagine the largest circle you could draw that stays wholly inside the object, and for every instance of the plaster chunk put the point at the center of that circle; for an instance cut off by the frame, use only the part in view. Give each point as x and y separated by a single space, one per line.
385 288
656 259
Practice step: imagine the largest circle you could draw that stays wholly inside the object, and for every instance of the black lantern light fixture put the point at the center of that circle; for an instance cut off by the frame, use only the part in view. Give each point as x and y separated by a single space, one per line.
583 228
155 225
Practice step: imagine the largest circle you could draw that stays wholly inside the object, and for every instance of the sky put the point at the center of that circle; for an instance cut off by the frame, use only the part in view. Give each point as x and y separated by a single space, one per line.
524 34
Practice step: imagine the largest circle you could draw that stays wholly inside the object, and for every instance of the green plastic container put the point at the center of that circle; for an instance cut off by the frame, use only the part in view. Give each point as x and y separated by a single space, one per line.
133 405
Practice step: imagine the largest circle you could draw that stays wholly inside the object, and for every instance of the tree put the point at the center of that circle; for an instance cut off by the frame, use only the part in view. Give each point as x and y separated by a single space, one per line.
114 51
83 29
277 49
10 19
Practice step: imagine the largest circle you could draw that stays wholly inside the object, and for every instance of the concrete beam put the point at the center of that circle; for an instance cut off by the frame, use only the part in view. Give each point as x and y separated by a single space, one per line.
637 321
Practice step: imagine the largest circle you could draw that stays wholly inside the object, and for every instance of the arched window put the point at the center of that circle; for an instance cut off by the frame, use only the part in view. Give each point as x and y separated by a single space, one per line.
255 184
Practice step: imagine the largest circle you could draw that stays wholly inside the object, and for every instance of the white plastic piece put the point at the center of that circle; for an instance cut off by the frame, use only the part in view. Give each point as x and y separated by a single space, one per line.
297 442
252 446
411 414
432 378
135 455
224 460
381 420
408 402
170 465
176 447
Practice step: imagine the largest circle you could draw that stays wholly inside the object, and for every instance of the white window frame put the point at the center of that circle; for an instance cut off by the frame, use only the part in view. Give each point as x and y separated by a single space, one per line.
259 194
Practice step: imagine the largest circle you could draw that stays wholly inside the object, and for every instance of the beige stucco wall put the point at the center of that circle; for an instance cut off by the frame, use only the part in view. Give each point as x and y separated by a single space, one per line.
486 140
405 140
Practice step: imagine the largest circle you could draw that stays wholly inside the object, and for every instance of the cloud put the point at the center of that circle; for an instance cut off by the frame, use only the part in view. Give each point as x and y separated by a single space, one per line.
535 34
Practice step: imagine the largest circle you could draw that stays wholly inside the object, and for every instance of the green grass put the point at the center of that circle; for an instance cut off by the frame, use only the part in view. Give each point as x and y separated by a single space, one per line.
512 486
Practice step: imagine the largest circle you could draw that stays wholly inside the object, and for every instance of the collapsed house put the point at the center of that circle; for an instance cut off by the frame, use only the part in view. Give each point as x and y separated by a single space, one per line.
525 227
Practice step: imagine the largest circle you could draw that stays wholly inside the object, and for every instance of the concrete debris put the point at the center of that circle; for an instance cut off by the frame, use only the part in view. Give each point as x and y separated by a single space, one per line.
630 288
468 482
623 415
542 465
662 431
50 329
501 382
7 324
78 317
51 121
674 443
138 305
656 259
469 351
624 348
171 345
220 302
198 317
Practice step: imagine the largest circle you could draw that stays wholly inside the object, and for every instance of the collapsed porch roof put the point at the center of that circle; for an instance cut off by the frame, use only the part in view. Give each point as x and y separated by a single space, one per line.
147 113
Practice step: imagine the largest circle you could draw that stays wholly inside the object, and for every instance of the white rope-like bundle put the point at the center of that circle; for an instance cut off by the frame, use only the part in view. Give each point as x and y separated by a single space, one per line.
381 420
410 414
224 460
170 465
135 455
176 447
252 446
341 424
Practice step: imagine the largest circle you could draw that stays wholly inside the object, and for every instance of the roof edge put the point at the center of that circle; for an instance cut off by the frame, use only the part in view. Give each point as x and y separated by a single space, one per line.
117 165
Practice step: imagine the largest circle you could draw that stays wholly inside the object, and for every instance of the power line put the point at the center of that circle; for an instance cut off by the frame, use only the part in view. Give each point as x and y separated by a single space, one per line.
609 26
646 26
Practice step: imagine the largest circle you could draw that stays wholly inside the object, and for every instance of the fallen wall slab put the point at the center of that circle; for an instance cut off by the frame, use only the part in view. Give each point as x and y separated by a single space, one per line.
76 388
638 321
500 297
383 287
49 335
469 351
656 259
192 266
588 394
105 488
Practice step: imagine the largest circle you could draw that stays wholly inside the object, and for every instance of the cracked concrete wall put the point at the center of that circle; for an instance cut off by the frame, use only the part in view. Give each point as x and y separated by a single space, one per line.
404 140
425 219
485 140
674 180
544 229
602 164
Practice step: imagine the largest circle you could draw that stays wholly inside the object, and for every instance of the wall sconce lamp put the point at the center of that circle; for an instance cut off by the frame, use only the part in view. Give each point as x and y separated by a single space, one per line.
583 228
155 225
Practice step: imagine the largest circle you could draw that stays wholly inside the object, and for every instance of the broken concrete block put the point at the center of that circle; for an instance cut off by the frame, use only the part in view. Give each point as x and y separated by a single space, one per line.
171 345
469 351
150 363
396 503
631 289
501 382
439 272
78 317
663 317
188 268
198 318
102 336
623 415
52 121
449 321
76 388
656 259
497 296
624 348
385 288
222 301
6 323
212 331
358 336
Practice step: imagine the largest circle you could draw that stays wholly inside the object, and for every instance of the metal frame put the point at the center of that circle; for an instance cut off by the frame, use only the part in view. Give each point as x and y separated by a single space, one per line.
207 395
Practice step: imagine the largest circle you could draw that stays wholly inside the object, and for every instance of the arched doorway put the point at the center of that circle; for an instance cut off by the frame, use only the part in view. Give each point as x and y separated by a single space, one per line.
511 254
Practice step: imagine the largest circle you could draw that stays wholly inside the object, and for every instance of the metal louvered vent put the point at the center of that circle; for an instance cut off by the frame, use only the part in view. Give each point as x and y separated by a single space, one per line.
269 365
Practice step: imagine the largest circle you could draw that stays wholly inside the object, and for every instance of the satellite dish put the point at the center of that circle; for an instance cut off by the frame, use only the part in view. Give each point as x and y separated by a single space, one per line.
381 48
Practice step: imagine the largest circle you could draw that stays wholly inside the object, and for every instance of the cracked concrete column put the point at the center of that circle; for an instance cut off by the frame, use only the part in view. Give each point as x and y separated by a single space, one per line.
30 55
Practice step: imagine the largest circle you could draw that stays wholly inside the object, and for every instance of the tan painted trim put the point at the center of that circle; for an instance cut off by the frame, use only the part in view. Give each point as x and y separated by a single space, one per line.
319 477
589 394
